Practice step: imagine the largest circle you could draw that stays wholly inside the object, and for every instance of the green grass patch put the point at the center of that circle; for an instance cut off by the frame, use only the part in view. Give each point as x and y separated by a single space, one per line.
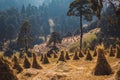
87 39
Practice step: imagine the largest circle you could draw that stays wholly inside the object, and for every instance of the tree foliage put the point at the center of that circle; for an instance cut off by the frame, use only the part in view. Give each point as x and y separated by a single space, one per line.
109 22
54 38
25 37
88 8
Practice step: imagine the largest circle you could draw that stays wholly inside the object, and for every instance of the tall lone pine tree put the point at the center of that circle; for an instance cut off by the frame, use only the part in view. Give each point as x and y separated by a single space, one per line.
25 37
86 8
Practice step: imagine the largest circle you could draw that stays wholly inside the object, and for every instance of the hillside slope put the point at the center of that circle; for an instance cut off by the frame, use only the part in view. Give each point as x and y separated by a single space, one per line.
70 42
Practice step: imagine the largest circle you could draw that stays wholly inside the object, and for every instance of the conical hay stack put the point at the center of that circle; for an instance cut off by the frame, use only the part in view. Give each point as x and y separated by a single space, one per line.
35 64
118 52
102 67
21 54
85 51
88 56
67 57
112 54
17 66
48 55
62 58
80 54
27 63
45 59
117 75
14 58
55 55
8 53
29 54
41 58
6 73
76 57
95 53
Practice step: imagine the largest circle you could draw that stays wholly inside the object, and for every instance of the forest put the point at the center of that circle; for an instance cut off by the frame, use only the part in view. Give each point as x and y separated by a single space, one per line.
59 40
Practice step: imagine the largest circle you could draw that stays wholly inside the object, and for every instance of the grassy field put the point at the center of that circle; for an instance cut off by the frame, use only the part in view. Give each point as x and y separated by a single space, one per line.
69 70
87 38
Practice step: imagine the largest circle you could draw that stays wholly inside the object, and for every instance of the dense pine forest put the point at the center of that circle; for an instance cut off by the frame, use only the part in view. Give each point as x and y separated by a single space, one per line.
59 40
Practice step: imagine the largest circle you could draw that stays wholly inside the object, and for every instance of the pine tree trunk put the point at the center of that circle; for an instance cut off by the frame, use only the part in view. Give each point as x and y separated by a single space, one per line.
54 43
81 32
26 46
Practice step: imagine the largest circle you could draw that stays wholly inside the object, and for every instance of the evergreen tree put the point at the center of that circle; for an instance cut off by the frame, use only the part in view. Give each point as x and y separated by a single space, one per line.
23 10
10 32
54 38
86 8
25 37
28 10
2 27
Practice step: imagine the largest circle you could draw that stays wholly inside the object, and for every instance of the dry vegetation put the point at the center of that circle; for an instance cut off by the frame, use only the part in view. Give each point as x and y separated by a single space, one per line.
97 64
68 66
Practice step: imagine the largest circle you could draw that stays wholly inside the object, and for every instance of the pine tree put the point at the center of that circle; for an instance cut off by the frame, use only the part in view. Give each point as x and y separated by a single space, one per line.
23 10
84 8
10 32
25 38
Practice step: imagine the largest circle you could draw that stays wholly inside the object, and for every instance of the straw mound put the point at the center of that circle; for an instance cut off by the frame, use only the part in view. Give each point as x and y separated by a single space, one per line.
6 72
62 57
35 63
95 53
67 57
112 54
27 63
55 55
88 56
75 57
45 59
102 67
17 66
81 54
118 52
41 58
